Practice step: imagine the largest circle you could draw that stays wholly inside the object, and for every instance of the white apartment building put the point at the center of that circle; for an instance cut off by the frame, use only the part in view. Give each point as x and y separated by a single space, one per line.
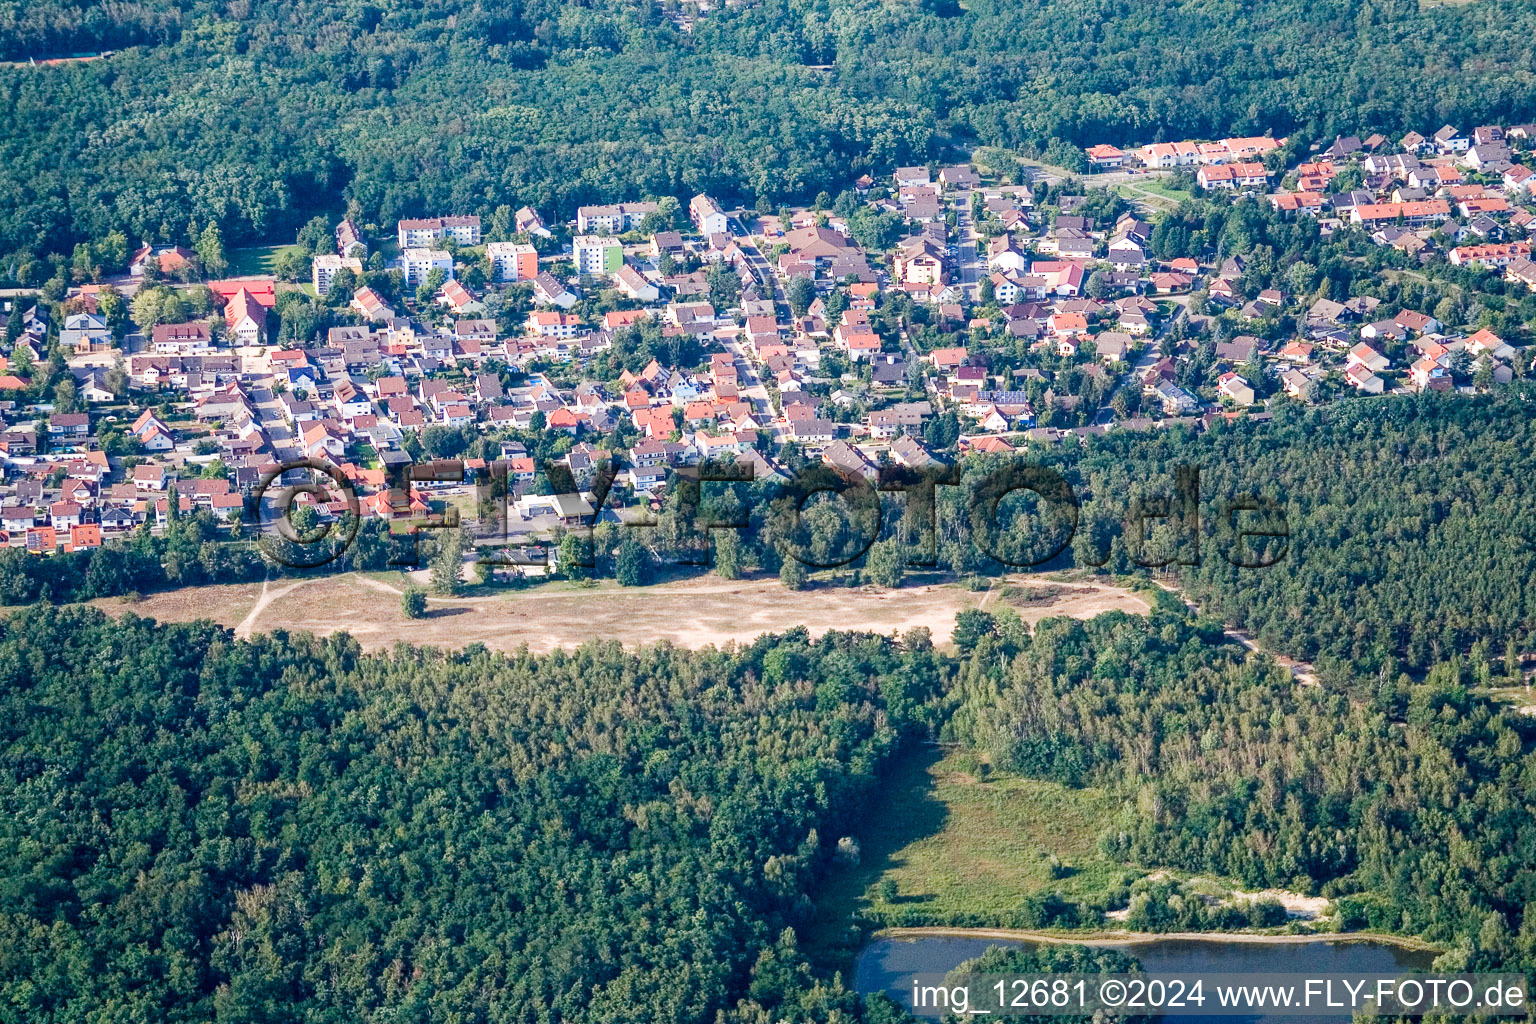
598 255
708 219
421 234
324 269
418 264
613 218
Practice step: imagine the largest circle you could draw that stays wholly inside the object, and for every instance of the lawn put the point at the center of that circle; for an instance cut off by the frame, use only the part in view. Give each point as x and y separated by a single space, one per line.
1152 192
965 849
1159 187
257 261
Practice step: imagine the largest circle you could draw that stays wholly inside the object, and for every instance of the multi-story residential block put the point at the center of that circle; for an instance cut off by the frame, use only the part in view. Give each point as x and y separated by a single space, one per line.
324 269
512 261
597 254
419 234
920 261
706 215
418 264
613 219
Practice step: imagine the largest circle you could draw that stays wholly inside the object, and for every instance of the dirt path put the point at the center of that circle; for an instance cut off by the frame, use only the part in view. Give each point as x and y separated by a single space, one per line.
369 581
1301 670
248 624
1123 938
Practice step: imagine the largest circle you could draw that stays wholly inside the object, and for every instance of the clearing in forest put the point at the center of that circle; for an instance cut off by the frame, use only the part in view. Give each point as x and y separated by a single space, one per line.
692 613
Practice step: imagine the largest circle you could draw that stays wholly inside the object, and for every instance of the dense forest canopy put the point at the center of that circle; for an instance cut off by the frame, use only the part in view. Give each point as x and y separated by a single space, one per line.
1410 525
257 114
193 829
1409 801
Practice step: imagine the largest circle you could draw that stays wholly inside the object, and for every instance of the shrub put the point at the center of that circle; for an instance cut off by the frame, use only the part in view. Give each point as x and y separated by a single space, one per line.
414 602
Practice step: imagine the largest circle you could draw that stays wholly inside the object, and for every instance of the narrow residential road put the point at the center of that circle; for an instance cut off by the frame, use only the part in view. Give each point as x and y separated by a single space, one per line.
759 264
968 247
752 387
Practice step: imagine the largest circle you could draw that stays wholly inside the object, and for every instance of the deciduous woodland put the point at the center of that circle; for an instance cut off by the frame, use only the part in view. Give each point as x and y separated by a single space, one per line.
249 112
199 829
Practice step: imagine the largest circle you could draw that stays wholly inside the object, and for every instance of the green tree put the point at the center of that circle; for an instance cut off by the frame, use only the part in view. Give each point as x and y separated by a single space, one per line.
500 227
116 378
413 602
886 563
66 396
112 252
1482 377
210 250
970 626
291 265
801 292
113 309
316 236
724 285
22 362
1299 278
630 563
572 556
83 264
430 285
147 307
792 574
727 554
448 563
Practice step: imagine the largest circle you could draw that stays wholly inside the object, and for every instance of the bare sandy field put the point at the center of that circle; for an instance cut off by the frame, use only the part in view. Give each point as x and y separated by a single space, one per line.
693 613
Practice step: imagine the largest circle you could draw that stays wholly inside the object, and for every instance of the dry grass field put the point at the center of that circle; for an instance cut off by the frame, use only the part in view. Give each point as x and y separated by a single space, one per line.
691 613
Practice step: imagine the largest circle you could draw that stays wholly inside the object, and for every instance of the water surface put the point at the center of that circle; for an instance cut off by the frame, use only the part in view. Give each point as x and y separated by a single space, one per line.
887 964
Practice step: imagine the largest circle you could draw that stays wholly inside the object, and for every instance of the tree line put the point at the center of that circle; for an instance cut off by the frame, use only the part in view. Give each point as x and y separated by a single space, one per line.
1405 522
451 107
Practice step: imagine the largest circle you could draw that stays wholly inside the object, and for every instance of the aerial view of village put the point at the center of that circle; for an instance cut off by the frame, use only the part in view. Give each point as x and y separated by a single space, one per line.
992 306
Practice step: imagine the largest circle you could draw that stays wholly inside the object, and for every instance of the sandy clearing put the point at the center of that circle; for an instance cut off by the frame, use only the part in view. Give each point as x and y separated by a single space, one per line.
248 624
228 604
1297 905
692 613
